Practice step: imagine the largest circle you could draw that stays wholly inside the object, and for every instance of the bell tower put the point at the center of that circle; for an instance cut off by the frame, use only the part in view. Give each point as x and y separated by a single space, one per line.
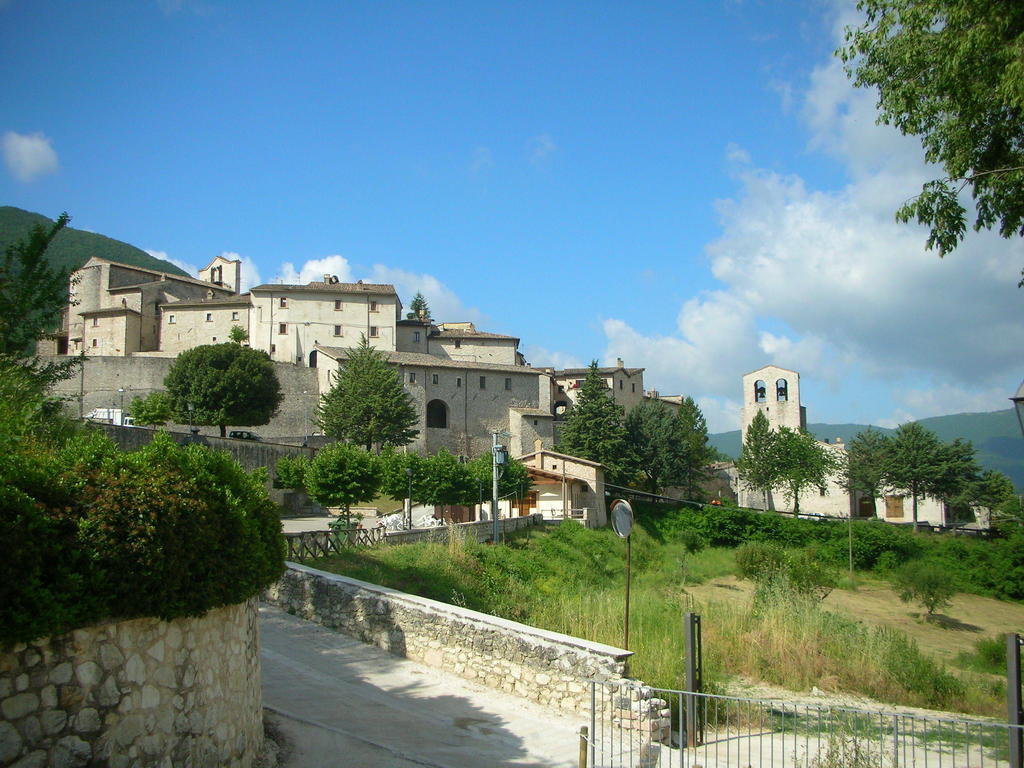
775 392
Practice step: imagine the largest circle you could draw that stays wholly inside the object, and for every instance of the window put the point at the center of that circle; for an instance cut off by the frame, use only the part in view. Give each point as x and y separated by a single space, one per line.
273 348
95 322
283 302
458 381
782 390
214 339
634 386
437 414
337 305
234 315
458 343
170 319
94 342
561 388
209 317
433 379
282 328
416 337
483 382
620 384
337 330
374 333
535 422
373 306
508 382
412 378
760 391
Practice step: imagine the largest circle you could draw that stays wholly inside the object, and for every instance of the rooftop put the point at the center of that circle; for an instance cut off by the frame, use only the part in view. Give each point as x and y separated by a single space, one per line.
422 360
380 289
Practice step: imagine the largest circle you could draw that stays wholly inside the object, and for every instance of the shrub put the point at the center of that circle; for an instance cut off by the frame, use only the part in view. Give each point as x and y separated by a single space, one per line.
290 472
926 583
91 533
759 561
809 575
692 541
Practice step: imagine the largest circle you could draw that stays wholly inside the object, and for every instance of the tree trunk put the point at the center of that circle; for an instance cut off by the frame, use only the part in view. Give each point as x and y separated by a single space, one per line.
223 430
914 497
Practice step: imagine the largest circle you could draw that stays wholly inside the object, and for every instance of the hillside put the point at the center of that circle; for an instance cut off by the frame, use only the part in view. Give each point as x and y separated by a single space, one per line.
73 247
996 437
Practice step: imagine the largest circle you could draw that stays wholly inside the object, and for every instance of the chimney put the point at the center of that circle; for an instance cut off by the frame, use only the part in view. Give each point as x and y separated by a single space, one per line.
619 363
327 278
538 445
839 441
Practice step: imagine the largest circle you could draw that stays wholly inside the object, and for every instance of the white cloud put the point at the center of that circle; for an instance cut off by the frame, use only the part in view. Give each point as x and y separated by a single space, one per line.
190 269
826 281
29 156
315 269
541 148
482 160
445 305
541 357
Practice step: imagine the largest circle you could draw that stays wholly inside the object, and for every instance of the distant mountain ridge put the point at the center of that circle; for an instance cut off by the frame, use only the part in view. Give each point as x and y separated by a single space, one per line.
995 435
73 247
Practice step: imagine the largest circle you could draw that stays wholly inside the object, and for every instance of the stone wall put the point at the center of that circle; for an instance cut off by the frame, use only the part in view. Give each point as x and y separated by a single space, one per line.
100 378
481 531
549 668
143 692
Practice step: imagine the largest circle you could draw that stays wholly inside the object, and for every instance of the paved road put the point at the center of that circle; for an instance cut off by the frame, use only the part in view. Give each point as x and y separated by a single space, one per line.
339 702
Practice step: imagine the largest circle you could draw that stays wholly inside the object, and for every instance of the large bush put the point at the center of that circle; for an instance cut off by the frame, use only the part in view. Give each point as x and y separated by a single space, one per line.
91 533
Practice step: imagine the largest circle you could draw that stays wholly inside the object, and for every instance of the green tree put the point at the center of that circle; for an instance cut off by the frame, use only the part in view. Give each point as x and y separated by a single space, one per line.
238 334
758 468
226 384
32 295
594 430
341 475
290 472
445 480
866 464
697 454
419 308
394 481
926 583
367 404
513 478
920 464
668 445
952 73
153 409
802 461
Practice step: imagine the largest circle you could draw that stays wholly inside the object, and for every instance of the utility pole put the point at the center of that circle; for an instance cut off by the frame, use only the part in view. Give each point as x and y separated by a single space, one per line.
498 459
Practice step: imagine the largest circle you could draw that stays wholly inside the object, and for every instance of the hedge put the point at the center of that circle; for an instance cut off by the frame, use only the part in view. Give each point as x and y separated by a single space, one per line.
992 566
90 533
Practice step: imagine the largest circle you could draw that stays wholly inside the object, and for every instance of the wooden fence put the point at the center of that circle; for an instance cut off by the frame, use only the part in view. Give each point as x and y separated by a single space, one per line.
313 544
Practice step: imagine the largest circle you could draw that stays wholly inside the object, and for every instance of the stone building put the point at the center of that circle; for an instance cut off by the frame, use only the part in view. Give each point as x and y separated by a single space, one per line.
564 487
114 309
775 392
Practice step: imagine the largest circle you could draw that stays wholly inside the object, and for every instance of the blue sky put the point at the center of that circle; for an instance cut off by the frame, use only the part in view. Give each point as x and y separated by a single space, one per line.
693 187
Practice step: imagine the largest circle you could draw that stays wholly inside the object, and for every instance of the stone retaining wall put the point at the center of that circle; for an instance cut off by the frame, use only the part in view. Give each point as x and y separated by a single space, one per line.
549 668
143 692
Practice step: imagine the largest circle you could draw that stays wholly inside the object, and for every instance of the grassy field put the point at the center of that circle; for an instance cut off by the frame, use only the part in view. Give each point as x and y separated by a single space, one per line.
571 580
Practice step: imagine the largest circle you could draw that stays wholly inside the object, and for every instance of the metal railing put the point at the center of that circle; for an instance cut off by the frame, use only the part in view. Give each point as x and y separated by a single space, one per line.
635 726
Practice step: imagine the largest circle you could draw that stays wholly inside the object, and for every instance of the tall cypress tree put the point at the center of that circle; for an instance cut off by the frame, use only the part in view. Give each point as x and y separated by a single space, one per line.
758 468
366 404
594 429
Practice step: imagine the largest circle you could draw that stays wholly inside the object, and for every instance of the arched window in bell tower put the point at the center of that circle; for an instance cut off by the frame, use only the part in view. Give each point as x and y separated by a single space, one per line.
782 390
760 391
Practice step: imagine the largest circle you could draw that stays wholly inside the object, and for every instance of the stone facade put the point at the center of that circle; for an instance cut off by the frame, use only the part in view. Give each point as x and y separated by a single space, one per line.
549 668
143 692
775 392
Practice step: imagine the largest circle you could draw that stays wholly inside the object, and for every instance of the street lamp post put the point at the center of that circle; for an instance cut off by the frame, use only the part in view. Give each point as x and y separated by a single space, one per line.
191 429
1018 404
121 391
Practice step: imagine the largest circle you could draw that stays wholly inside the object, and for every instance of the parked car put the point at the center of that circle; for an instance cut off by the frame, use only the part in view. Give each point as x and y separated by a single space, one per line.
243 434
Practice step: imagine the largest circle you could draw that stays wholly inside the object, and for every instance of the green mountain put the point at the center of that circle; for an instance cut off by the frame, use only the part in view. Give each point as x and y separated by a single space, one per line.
73 247
996 437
